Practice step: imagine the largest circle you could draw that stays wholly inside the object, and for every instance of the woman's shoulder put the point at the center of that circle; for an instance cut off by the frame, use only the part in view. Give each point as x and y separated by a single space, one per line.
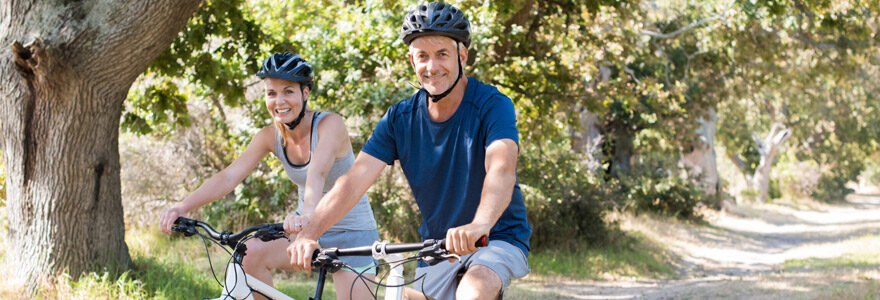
265 137
331 122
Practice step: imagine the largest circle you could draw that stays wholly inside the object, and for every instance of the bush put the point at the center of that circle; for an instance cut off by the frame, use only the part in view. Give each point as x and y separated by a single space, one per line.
832 185
564 204
797 179
831 188
394 208
663 194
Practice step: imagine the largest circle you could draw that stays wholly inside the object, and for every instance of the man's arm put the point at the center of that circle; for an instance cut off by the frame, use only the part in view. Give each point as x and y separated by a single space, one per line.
344 195
501 157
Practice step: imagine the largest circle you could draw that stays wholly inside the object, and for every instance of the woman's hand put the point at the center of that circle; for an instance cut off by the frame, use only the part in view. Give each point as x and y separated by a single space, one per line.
294 223
168 218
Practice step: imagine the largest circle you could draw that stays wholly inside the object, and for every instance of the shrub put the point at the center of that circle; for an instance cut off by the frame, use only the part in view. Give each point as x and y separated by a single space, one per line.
394 208
831 188
663 194
564 204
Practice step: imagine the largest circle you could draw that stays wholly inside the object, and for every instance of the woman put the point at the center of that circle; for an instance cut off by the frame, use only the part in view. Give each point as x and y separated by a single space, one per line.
315 150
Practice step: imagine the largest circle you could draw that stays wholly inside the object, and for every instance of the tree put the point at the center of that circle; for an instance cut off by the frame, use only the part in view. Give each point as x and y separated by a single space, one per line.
809 66
63 85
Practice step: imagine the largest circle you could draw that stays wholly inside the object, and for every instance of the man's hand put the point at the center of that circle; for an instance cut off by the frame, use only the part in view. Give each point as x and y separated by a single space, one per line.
294 223
462 240
300 252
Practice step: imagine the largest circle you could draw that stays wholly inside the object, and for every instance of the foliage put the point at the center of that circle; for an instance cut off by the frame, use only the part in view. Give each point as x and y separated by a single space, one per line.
809 65
394 208
832 189
663 194
649 72
561 201
259 199
871 175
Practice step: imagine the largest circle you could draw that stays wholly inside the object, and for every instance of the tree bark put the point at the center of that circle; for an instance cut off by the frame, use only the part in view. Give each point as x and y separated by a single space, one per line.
64 75
622 152
768 148
587 140
701 160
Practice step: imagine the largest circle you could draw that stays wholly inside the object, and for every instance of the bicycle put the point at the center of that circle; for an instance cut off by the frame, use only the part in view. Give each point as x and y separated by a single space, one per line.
324 260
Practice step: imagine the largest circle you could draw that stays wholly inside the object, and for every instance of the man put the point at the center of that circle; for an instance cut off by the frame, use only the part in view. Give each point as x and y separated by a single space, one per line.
457 143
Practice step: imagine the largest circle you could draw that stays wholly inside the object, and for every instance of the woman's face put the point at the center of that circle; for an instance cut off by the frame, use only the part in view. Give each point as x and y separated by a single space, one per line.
284 99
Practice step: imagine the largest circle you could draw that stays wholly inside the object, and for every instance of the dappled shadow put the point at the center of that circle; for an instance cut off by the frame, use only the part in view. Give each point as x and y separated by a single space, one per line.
795 284
755 239
738 253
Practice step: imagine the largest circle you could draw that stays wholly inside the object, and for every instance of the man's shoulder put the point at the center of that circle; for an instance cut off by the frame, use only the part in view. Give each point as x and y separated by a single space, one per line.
485 94
405 106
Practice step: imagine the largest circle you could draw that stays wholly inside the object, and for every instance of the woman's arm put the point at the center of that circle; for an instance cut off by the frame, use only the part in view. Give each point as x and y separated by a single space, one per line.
224 181
333 141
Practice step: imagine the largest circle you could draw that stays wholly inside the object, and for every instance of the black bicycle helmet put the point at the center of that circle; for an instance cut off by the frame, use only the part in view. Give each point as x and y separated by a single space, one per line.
436 18
291 67
287 66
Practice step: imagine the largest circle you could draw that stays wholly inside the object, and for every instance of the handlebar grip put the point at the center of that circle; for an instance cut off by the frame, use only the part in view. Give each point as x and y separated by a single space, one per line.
483 241
184 225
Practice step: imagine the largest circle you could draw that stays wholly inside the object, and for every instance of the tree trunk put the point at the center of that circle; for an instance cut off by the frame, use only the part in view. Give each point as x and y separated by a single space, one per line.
62 98
587 140
622 139
768 149
701 160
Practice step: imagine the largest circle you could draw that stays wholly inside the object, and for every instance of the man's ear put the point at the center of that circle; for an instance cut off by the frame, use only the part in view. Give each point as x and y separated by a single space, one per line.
409 56
463 52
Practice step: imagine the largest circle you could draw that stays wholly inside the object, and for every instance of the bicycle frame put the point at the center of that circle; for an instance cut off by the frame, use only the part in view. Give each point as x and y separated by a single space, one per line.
243 285
243 289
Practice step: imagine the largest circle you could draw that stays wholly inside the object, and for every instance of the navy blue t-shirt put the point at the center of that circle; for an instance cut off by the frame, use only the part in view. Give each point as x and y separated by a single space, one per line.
444 162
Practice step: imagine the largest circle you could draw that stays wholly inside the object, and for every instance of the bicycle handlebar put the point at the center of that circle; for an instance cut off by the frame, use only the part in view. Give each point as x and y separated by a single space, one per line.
265 232
396 248
431 251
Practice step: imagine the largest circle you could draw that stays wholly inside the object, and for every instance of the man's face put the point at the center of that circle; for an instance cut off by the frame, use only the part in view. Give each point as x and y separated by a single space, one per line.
435 62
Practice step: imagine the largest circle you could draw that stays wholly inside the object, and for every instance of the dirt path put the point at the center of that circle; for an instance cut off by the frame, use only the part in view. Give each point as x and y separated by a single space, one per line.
740 253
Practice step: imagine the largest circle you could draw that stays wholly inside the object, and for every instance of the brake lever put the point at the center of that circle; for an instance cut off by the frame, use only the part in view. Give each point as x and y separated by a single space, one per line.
436 254
185 229
270 234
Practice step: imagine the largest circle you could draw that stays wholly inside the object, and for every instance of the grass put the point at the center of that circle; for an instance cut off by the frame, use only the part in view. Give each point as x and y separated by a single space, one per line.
630 255
850 260
164 268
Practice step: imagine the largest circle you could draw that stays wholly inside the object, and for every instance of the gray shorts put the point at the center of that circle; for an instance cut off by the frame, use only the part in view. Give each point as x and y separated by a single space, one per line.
349 239
441 280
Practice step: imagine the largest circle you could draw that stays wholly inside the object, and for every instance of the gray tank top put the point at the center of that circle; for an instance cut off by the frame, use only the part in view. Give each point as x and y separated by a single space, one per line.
361 216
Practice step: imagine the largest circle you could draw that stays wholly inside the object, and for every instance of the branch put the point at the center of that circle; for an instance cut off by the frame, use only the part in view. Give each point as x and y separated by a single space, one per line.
632 73
680 30
738 162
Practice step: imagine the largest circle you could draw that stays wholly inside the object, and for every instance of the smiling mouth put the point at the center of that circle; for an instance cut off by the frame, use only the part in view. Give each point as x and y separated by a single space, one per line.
281 111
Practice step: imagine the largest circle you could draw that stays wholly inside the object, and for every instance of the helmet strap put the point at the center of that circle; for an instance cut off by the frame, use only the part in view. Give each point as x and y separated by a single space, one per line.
292 124
437 97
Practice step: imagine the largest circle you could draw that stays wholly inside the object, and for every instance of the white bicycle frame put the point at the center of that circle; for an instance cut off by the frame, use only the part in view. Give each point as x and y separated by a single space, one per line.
240 286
